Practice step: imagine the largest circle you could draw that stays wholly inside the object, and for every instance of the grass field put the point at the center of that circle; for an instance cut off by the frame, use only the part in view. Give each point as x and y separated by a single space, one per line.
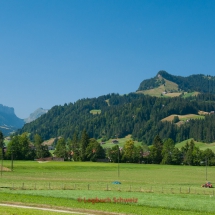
201 145
183 117
95 111
190 94
122 141
160 189
168 87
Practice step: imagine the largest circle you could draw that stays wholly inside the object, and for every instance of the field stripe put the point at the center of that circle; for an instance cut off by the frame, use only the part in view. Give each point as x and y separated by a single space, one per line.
44 209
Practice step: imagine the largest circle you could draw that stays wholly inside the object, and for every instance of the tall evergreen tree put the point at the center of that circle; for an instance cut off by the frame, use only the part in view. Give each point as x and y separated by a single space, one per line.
83 145
155 155
41 150
1 145
75 147
167 151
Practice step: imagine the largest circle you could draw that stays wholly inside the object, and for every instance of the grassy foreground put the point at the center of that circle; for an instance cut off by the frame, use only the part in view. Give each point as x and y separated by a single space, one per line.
159 189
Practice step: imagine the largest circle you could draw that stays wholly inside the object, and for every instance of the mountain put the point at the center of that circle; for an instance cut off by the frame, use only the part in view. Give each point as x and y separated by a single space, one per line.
36 114
165 83
9 122
138 114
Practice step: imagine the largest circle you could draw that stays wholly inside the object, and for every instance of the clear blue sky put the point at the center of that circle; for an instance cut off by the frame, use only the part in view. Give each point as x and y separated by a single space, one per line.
58 51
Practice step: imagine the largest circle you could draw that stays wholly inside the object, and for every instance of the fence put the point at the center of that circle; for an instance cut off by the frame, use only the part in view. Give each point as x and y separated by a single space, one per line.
109 187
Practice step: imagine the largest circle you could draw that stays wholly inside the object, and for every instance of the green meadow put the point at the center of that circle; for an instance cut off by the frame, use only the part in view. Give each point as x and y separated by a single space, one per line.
201 145
95 111
121 142
159 189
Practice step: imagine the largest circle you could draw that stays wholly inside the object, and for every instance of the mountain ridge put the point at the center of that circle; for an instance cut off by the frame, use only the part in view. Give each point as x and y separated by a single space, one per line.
36 114
197 82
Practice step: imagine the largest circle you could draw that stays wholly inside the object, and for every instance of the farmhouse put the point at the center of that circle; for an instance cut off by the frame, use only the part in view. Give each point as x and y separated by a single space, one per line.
115 141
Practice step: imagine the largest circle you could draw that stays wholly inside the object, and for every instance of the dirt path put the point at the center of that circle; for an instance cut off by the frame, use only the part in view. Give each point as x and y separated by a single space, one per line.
68 211
45 209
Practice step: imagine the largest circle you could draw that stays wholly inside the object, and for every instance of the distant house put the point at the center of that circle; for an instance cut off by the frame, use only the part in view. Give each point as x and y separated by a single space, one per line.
146 154
50 147
115 141
102 143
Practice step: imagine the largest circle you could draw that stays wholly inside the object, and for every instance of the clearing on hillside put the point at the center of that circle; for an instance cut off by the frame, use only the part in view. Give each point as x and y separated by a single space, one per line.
95 112
183 117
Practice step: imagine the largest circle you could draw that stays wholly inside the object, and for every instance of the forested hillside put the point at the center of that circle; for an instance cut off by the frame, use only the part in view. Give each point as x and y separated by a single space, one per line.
135 114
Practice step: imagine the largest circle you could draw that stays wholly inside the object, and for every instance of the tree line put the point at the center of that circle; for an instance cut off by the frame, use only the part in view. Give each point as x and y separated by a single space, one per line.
89 149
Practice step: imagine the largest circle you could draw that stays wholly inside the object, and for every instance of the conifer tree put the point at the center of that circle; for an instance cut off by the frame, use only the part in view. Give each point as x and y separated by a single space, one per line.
156 150
84 143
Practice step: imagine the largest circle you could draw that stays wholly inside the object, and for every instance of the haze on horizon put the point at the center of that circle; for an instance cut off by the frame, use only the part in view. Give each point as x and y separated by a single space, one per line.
55 52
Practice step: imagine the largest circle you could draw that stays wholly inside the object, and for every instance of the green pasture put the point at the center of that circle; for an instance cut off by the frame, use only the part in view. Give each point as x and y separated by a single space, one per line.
201 145
185 118
95 111
190 94
160 189
153 92
121 143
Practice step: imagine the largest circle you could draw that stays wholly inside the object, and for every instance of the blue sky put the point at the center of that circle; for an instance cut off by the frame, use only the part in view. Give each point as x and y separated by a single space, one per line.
58 51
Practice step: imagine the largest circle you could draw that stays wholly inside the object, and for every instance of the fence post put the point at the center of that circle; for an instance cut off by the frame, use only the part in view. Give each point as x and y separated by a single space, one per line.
189 190
180 189
22 185
88 186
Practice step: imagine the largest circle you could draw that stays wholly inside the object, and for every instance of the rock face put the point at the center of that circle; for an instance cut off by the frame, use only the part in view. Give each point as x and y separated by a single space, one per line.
36 114
9 122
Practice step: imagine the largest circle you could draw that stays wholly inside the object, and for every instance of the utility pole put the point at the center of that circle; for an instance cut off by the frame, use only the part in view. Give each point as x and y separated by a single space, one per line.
118 162
12 158
206 171
2 158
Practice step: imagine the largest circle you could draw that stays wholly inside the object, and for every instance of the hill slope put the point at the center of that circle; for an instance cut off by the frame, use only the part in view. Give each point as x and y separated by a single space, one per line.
170 83
135 114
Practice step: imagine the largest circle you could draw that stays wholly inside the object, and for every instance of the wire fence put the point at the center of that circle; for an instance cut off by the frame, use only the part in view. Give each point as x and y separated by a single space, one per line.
109 187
